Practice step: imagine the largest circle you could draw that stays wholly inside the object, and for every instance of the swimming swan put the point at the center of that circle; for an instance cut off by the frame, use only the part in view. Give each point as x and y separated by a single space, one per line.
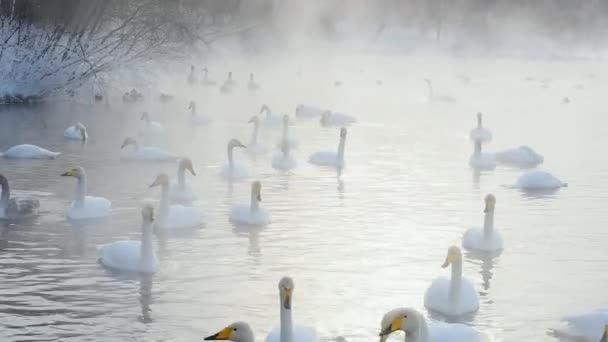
271 119
251 214
522 156
331 119
76 132
591 326
332 159
482 161
308 112
538 180
137 153
228 85
192 79
286 138
86 207
232 170
432 97
480 133
485 239
206 81
16 208
197 118
181 189
252 85
416 329
283 160
287 332
452 296
27 151
174 216
150 127
131 255
236 332
255 147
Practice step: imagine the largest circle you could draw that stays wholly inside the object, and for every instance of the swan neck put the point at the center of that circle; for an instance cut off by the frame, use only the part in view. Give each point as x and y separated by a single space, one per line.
455 280
82 190
254 134
147 254
488 224
255 204
181 175
164 202
230 158
418 335
6 194
479 122
286 325
341 148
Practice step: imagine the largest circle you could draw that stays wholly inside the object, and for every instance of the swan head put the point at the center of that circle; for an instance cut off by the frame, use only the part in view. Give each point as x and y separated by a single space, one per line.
256 190
286 287
235 143
76 172
343 133
147 213
145 116
128 141
161 179
265 108
404 319
454 255
192 105
490 203
186 164
237 332
83 130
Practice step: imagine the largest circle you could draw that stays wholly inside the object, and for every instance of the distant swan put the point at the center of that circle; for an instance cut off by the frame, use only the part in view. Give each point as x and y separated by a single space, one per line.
332 159
432 97
538 180
331 119
206 81
591 326
522 156
16 208
480 133
251 214
228 85
485 239
452 296
283 160
252 85
137 153
482 161
197 118
271 119
288 332
286 138
174 216
232 170
27 151
76 132
181 189
236 332
255 147
150 127
131 255
308 112
192 79
416 328
86 207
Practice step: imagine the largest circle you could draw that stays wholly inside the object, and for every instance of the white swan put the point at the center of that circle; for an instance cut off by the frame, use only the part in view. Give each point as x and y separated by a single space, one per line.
286 138
522 156
130 255
86 207
255 147
432 97
150 128
251 214
252 85
331 119
174 216
283 160
416 329
16 208
538 180
588 327
206 81
233 170
271 119
137 153
485 239
480 133
76 132
192 79
452 296
228 85
287 332
181 189
197 118
236 332
332 159
308 112
27 151
482 161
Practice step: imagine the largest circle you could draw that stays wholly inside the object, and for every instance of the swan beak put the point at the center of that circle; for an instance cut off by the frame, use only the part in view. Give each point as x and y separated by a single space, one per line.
241 145
68 174
287 299
448 260
489 207
395 325
156 183
191 171
124 144
251 120
222 335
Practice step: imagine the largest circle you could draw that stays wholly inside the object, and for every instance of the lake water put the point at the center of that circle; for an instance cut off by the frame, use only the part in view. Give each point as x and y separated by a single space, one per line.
358 244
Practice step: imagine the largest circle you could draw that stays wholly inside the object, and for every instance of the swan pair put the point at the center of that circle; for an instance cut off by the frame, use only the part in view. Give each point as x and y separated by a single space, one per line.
251 214
146 153
76 132
17 207
286 332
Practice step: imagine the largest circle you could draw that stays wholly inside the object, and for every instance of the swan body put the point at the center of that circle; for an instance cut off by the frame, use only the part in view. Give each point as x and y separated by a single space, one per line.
331 159
197 118
417 329
252 85
331 119
522 156
129 255
283 162
287 140
251 214
255 147
588 327
150 128
16 208
485 239
454 296
233 170
480 160
27 151
173 217
137 153
86 207
308 112
76 132
432 97
480 133
181 190
538 180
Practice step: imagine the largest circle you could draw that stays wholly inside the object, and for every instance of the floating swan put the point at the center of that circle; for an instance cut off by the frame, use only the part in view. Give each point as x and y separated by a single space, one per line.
150 127
76 132
197 118
331 119
174 216
236 332
270 120
232 170
206 81
251 214
588 327
480 133
416 329
522 156
452 296
283 160
228 84
482 161
192 79
485 239
130 255
538 180
333 159
181 189
308 112
287 332
27 151
286 138
252 85
16 208
432 97
86 207
137 153
255 147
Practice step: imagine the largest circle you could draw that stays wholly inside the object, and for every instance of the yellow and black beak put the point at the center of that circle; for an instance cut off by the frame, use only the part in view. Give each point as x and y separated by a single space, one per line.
287 299
489 207
70 173
191 169
222 335
394 326
448 260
